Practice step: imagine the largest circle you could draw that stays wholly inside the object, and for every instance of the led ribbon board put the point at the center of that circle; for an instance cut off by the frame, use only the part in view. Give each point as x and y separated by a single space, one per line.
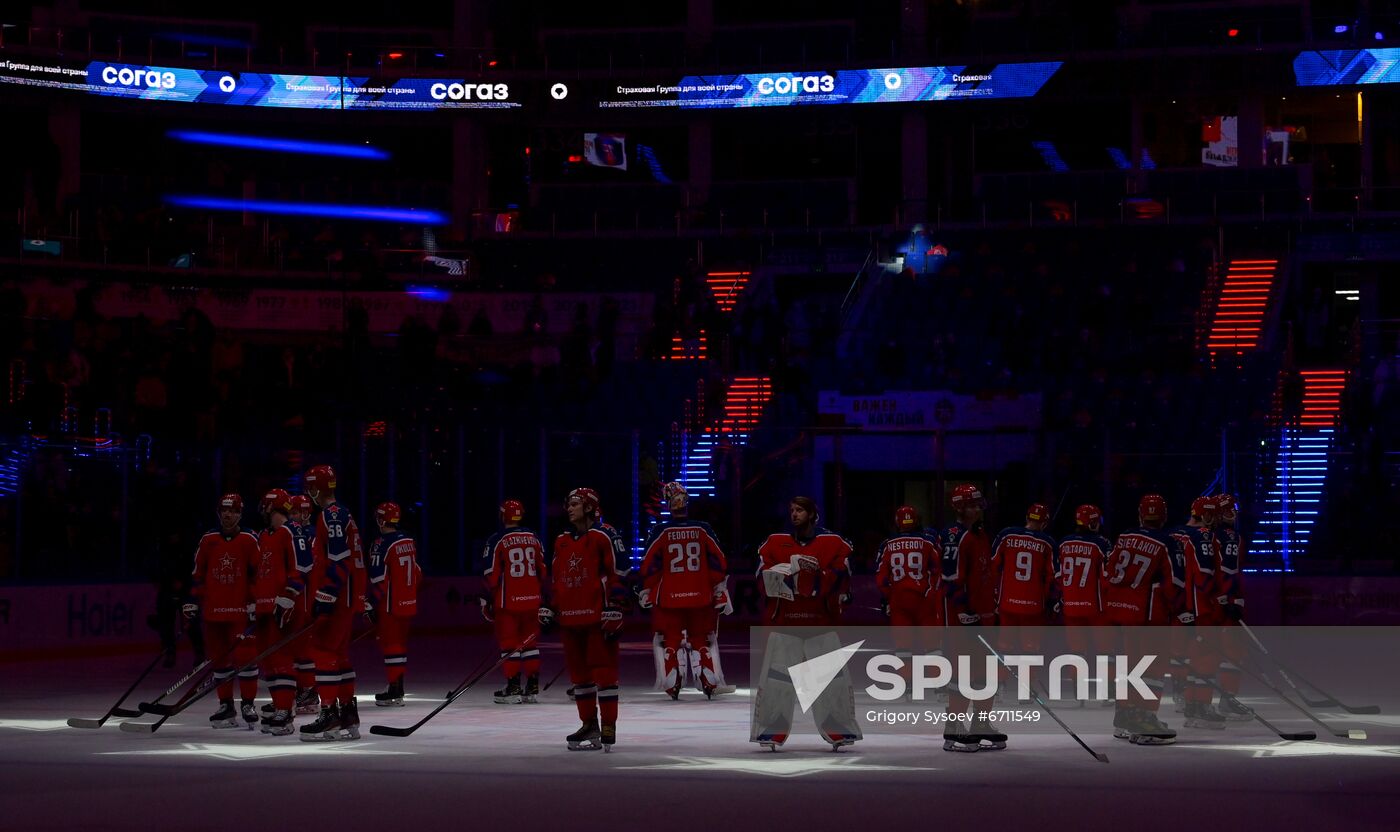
1347 67
855 86
256 89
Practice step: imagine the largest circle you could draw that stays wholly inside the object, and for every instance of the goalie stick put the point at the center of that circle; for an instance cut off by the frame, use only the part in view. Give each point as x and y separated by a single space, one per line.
205 686
1329 702
1103 758
391 731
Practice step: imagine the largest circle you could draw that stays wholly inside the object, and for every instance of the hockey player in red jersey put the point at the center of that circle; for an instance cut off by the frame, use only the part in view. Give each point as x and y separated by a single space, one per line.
1230 548
339 583
1199 659
394 577
805 575
1023 563
515 581
302 596
1141 588
684 578
588 592
969 600
273 590
1082 556
906 574
221 589
816 565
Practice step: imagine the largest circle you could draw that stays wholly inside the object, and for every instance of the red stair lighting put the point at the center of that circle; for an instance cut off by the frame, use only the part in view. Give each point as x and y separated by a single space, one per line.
1322 397
695 349
743 403
727 287
1240 310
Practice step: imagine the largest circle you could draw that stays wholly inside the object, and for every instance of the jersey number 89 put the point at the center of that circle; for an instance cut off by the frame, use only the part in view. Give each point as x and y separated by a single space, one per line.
909 564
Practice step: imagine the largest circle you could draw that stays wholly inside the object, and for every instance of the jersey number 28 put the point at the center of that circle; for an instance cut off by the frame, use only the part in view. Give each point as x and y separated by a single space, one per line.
684 558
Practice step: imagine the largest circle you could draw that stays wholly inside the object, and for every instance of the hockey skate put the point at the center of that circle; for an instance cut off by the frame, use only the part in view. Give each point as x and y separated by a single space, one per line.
267 712
609 737
308 702
225 716
350 720
1122 718
956 737
531 694
989 736
326 728
772 742
1147 729
250 713
510 694
1234 710
279 724
391 697
1204 715
587 738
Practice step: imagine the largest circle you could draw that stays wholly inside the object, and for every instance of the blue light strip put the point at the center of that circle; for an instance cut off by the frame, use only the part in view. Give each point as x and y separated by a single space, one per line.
311 209
348 151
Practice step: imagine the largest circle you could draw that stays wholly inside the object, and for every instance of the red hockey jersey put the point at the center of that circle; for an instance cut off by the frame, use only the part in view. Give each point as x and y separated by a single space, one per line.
1024 563
1082 560
1139 584
276 566
222 580
586 574
683 564
970 585
819 595
515 571
908 563
394 574
339 569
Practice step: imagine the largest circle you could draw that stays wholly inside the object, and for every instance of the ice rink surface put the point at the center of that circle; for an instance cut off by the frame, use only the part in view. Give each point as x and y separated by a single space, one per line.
677 765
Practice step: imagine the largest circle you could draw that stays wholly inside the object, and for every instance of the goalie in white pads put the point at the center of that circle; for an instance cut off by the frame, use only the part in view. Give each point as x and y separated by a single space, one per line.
806 577
684 580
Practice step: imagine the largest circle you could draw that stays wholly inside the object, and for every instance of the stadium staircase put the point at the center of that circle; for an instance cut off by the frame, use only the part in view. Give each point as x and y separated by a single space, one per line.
1234 314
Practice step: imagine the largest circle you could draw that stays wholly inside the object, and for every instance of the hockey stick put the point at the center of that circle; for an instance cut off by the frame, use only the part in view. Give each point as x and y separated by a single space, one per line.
1293 736
471 677
205 686
179 683
555 679
1329 702
1349 734
116 709
1103 758
390 731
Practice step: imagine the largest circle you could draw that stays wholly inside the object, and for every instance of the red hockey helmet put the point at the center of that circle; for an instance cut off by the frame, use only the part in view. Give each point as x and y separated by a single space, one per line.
301 504
907 517
276 500
1152 507
967 495
388 514
512 511
1038 512
1205 508
1088 516
1226 507
320 478
232 501
587 496
675 496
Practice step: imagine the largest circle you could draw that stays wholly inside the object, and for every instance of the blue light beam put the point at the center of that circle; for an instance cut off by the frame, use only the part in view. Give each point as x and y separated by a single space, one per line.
414 216
348 151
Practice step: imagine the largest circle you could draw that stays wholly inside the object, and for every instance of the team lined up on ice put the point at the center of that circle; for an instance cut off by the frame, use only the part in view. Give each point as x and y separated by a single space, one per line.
254 589
1150 575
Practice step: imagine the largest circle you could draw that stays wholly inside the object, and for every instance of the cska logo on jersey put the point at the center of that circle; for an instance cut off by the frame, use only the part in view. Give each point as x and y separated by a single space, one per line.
574 578
225 573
